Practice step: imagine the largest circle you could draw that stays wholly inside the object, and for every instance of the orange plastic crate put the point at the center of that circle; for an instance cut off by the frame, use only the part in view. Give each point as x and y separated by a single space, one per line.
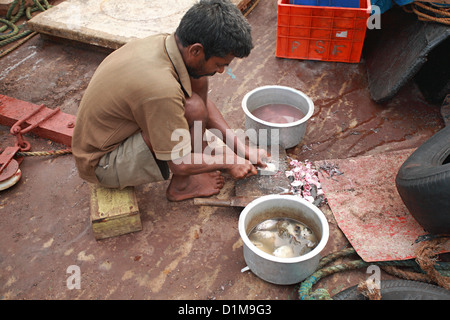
321 33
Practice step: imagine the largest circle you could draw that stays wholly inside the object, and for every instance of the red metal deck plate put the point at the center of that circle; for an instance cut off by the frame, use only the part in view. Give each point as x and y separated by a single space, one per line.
368 208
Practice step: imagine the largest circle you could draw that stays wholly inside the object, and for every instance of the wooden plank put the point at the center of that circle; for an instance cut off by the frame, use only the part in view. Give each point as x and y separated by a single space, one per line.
111 24
114 212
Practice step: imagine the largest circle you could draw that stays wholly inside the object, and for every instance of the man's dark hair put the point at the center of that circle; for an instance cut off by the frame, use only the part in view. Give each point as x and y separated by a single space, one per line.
219 26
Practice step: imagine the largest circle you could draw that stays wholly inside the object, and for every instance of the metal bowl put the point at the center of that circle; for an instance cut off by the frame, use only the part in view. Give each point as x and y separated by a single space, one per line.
273 269
287 135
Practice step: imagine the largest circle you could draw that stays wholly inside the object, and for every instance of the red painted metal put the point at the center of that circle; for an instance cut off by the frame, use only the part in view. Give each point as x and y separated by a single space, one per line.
8 166
47 123
24 117
368 209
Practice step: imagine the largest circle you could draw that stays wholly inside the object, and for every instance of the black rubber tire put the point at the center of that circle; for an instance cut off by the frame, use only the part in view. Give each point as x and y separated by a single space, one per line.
423 182
432 79
399 290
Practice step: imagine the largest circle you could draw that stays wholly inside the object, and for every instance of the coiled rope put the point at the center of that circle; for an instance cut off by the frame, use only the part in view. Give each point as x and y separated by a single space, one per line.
430 12
425 268
14 34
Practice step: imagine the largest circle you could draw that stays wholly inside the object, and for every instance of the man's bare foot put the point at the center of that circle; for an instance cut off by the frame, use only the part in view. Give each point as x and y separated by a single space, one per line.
195 186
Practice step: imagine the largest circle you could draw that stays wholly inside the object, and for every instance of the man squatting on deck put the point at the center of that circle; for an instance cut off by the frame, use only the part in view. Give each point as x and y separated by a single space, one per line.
150 88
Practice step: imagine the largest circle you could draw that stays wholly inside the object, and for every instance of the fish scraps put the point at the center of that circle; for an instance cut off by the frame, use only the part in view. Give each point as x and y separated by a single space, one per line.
331 170
304 180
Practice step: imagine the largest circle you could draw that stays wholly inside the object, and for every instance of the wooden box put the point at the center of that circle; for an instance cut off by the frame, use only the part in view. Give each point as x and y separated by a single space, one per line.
113 212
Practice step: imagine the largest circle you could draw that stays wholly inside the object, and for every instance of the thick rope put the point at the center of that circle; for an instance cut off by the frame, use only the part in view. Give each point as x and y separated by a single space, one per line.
369 289
428 270
408 275
44 153
304 291
426 259
333 256
20 11
28 34
9 24
430 12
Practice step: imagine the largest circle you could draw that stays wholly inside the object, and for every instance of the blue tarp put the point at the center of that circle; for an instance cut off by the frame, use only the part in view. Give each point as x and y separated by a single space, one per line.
385 5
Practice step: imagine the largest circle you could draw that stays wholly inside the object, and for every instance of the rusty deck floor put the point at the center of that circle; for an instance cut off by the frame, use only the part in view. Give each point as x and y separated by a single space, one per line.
183 251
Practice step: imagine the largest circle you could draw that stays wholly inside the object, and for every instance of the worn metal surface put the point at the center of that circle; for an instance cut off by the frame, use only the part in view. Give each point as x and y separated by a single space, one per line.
368 209
183 251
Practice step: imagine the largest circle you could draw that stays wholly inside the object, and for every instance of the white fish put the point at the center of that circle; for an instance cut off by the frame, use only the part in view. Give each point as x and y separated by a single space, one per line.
266 225
310 243
306 233
284 252
262 239
270 167
262 234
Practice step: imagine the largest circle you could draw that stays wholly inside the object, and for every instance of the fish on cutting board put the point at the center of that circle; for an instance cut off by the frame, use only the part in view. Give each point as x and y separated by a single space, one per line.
251 188
270 169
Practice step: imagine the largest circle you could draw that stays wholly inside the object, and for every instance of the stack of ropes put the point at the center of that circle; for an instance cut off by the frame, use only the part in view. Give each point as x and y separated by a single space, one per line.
10 32
424 268
432 11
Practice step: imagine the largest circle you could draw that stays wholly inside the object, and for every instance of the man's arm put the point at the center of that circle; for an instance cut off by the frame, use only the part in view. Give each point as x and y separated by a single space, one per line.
217 121
192 163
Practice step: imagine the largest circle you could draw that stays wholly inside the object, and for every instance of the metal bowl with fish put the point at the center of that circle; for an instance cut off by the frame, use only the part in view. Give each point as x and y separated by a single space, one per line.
280 221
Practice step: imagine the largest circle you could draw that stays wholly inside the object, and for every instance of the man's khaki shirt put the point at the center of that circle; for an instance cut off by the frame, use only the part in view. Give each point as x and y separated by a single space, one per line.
141 86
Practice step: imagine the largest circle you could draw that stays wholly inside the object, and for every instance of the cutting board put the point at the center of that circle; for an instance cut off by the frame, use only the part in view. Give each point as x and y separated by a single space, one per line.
249 189
261 185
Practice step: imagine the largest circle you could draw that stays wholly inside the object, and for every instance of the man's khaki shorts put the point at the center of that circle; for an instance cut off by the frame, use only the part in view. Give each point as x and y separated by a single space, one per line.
130 164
